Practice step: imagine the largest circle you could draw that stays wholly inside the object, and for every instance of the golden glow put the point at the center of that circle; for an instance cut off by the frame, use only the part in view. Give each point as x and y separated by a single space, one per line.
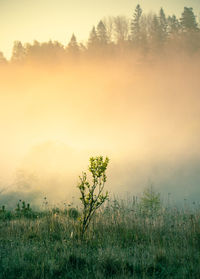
53 120
54 117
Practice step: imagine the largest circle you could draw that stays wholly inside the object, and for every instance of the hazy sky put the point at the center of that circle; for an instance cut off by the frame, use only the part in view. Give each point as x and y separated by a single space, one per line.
27 20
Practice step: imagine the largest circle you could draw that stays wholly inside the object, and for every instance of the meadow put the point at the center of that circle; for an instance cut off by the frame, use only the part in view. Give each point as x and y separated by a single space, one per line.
131 91
126 239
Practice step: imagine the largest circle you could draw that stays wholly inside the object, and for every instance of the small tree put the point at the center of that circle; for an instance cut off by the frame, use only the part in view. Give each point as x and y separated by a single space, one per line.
150 200
92 196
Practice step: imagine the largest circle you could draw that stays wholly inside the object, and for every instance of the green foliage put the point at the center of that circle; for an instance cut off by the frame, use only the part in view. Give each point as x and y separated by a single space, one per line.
5 214
22 207
92 196
73 213
150 200
2 209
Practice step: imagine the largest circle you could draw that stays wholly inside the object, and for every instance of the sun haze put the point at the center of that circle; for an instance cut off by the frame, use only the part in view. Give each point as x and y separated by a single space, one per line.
125 85
43 20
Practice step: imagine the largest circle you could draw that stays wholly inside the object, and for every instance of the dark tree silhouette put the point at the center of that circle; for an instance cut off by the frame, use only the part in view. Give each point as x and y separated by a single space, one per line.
121 29
155 33
3 60
135 25
163 26
173 25
117 35
18 52
73 47
102 34
93 40
188 20
190 31
47 52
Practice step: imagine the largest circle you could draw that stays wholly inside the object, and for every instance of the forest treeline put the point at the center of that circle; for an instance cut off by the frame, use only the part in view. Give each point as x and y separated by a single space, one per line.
144 34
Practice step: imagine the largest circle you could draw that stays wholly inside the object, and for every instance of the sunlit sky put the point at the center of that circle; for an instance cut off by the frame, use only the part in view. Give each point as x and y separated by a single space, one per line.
27 20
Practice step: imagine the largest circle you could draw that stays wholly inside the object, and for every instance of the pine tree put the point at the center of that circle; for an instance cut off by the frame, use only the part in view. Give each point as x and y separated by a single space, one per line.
135 25
190 30
173 25
102 34
18 52
163 25
93 39
73 47
188 20
156 31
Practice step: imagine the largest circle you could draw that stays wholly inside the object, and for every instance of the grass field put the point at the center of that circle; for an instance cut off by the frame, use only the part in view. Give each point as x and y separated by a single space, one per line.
124 240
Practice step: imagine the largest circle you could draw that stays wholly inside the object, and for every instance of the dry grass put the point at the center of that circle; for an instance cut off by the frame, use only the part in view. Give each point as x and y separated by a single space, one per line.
123 241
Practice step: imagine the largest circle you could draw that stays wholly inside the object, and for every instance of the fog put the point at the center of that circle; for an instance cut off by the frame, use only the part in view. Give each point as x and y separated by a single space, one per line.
144 116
